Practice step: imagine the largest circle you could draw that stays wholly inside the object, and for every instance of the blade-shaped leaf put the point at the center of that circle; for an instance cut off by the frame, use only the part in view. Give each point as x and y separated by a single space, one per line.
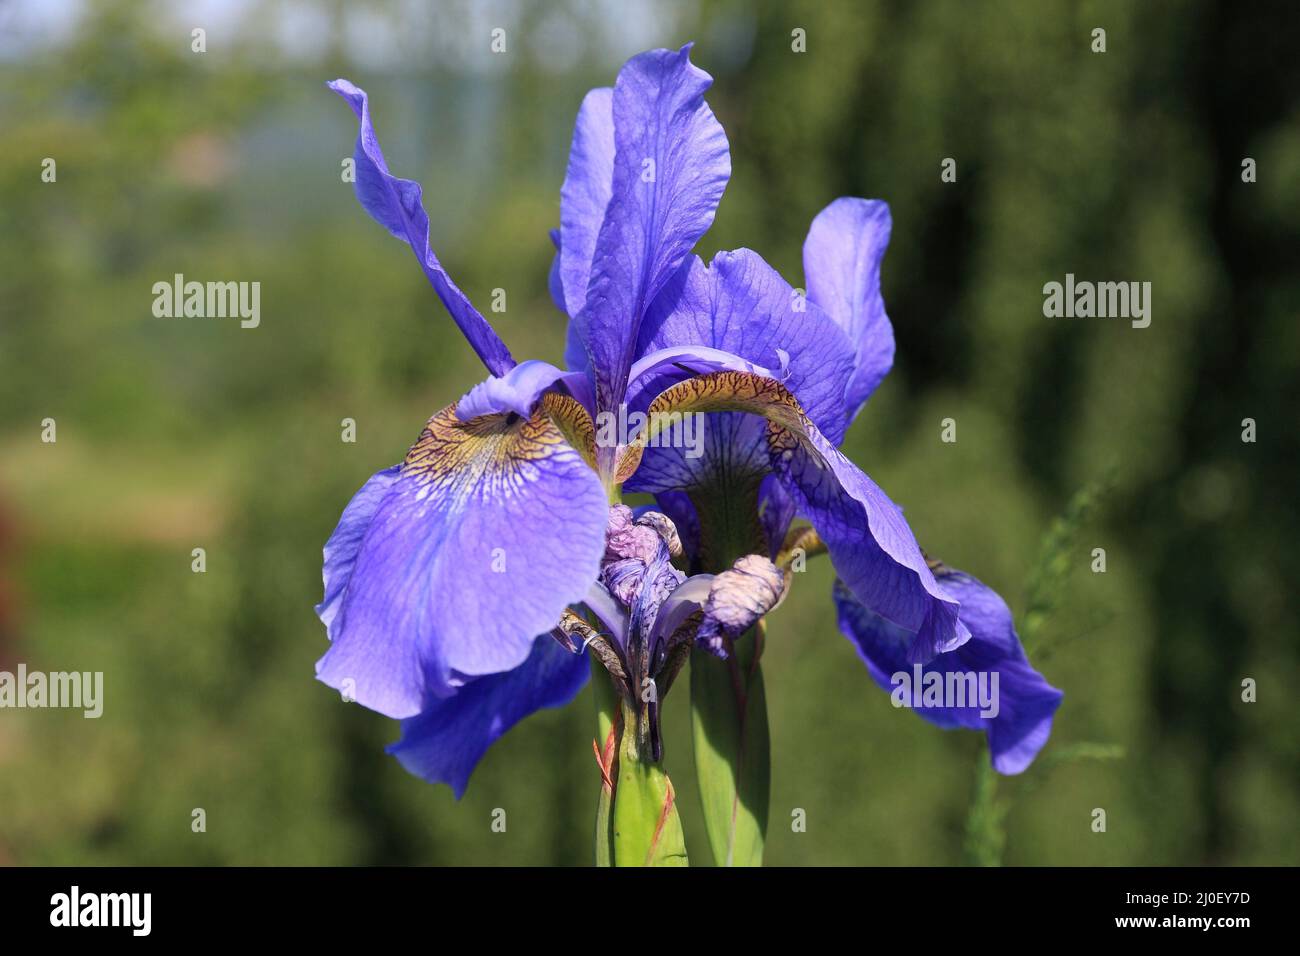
732 764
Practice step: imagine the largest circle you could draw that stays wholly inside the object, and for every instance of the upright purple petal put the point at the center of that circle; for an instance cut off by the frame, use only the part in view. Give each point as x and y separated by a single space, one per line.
445 742
671 165
841 263
490 529
588 185
396 205
1020 720
740 307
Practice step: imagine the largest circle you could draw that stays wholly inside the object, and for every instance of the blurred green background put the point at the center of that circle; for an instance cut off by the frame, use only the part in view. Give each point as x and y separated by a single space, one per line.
1073 434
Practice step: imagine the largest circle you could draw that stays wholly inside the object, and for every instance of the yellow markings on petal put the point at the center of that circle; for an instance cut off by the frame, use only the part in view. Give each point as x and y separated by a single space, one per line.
727 391
731 392
629 460
800 541
574 423
488 456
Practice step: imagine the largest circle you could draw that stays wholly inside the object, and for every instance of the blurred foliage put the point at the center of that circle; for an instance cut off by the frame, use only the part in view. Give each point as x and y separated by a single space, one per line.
176 434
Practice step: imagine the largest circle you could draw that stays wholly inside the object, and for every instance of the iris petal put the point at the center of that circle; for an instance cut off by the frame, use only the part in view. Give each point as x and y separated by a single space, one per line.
870 544
738 307
1026 703
517 391
396 205
841 262
671 165
588 185
445 742
490 529
342 546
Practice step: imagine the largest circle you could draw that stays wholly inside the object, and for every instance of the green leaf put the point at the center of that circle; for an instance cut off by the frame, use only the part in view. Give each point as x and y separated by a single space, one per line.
647 830
732 761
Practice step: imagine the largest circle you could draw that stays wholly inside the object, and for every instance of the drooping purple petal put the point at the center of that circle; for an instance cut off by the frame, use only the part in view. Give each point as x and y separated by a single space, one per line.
870 545
703 452
670 167
396 205
841 263
489 531
1017 718
445 742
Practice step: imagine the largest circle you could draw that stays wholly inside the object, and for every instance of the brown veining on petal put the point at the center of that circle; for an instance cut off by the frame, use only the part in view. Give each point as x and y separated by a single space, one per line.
487 456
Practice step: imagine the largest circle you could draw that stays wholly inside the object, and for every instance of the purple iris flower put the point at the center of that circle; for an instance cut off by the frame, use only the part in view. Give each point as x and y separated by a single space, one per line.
842 256
452 579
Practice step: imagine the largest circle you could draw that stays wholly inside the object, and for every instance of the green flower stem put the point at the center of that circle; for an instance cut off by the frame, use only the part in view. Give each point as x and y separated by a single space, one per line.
647 830
986 834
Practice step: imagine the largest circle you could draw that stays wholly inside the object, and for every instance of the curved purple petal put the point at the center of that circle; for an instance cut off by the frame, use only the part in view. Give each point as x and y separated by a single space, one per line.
671 165
490 529
517 391
660 367
445 742
1016 712
396 205
841 263
705 452
870 544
